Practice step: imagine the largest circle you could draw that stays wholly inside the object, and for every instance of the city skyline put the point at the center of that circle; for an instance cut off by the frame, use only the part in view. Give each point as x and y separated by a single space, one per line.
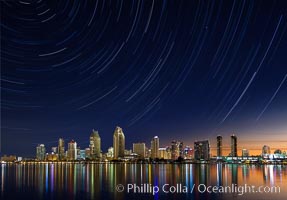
95 150
254 146
186 70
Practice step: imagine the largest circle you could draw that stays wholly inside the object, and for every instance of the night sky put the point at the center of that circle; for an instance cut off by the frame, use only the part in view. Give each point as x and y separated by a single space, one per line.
185 70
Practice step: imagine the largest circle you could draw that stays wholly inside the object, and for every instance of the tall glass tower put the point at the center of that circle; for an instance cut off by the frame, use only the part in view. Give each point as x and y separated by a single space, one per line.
72 150
95 145
202 150
155 147
40 152
233 146
119 143
219 145
61 149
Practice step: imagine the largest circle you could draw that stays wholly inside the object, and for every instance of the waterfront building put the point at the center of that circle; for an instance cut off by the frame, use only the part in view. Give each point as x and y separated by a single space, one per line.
177 150
266 150
95 145
128 152
162 152
155 147
40 152
81 154
119 143
165 153
233 146
72 150
110 154
52 157
201 150
181 149
10 158
61 149
54 150
219 145
139 149
174 150
148 153
87 152
188 152
245 153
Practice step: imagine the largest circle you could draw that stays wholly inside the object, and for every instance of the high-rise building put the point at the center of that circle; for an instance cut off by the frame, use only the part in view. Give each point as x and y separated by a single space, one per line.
128 152
87 152
148 153
139 148
110 154
40 152
61 149
219 145
233 146
155 147
177 150
188 152
174 150
54 150
72 150
119 143
266 150
181 149
201 150
81 154
245 153
95 145
164 153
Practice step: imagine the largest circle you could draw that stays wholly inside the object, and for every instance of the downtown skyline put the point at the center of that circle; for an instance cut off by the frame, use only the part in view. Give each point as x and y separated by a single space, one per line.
185 70
227 147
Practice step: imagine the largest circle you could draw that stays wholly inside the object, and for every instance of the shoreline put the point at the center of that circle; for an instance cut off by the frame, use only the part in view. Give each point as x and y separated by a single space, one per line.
149 163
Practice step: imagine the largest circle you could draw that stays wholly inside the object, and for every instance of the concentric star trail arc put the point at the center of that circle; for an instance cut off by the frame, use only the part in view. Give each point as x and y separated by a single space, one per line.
187 68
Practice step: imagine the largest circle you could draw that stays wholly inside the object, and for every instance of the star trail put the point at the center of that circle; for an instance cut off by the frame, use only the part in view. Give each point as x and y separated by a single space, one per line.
178 69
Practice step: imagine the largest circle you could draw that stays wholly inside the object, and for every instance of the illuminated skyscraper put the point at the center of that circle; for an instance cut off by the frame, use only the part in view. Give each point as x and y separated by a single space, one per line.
139 148
110 154
181 149
61 149
233 146
87 152
54 150
266 150
40 152
119 143
72 150
201 150
245 152
188 152
155 147
219 145
177 150
174 150
95 145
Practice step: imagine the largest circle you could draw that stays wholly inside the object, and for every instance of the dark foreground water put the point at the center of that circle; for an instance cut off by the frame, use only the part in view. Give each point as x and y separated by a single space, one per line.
143 181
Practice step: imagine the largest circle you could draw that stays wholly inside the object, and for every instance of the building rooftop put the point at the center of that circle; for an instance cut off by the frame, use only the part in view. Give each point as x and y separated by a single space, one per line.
95 133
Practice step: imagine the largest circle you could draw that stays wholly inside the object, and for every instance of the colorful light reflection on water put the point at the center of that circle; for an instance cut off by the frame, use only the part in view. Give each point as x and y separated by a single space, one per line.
98 181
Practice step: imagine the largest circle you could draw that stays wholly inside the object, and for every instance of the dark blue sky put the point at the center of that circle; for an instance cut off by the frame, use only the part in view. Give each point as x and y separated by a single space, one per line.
181 70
